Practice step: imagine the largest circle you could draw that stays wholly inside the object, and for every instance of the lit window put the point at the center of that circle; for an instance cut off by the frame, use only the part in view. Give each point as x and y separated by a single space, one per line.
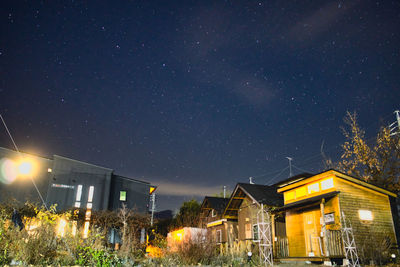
365 215
79 193
218 236
89 205
255 232
77 204
122 195
327 184
86 229
289 195
313 188
300 192
91 192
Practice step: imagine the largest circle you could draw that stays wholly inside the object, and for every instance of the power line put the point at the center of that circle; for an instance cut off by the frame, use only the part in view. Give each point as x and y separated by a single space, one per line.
270 180
20 155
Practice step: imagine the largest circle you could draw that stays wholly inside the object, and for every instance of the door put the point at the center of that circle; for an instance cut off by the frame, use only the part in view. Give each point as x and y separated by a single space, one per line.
311 233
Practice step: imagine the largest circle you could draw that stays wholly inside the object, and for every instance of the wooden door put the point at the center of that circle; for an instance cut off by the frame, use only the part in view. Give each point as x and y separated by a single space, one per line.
311 233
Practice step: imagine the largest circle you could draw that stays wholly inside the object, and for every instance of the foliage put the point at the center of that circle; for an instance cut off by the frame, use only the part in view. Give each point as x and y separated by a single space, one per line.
377 164
188 215
40 242
88 256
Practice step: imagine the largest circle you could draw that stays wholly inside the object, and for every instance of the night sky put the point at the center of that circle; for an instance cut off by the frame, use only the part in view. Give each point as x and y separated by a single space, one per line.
194 95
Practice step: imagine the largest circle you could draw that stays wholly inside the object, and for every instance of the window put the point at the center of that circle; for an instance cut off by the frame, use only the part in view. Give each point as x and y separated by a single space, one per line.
213 213
327 184
248 231
313 188
255 232
79 193
365 215
91 192
122 195
218 236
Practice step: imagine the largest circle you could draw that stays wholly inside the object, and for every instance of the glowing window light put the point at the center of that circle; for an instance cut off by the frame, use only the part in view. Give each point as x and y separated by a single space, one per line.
89 205
74 228
79 193
77 204
88 214
91 192
313 188
8 171
300 192
327 184
122 195
61 227
365 215
86 229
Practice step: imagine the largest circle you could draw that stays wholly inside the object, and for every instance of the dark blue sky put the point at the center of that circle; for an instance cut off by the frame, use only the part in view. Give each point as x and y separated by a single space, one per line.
194 95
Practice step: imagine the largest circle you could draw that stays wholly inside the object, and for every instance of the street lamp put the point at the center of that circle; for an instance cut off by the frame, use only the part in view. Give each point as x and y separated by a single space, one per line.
26 168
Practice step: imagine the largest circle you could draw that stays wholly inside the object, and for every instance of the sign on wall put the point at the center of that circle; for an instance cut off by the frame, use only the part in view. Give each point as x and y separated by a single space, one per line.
329 218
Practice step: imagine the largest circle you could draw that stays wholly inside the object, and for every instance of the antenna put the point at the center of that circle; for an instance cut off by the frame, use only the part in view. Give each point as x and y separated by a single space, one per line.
251 180
290 166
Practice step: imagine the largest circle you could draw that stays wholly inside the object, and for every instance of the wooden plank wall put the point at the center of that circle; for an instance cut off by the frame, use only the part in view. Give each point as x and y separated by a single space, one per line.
353 198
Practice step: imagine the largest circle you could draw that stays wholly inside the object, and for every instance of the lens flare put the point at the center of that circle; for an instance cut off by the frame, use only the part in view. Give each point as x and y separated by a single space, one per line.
8 171
25 168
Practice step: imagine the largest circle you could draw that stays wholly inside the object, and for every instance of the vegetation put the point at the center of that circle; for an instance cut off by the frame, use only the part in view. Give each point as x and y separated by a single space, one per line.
377 163
188 215
42 242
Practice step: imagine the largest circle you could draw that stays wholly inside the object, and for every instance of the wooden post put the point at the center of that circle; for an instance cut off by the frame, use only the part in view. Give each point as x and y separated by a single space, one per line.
323 228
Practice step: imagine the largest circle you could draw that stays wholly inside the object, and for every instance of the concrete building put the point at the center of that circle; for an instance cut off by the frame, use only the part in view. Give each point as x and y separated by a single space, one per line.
68 183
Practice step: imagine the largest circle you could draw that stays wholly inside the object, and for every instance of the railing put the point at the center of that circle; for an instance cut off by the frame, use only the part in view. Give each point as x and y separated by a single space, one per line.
334 243
281 247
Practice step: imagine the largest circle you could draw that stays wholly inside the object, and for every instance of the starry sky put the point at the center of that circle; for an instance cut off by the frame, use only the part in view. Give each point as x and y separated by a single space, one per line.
195 95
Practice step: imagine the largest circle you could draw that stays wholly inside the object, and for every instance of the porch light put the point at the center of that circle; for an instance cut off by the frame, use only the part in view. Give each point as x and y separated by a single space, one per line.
365 215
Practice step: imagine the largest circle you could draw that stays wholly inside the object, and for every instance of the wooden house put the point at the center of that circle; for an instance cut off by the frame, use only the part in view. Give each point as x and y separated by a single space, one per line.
315 207
243 206
212 218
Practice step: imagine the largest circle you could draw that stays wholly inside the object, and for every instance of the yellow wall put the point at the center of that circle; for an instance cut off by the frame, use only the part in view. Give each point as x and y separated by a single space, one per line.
315 186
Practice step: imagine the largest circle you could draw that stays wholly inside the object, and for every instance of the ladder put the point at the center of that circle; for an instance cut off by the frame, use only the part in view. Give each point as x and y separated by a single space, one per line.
349 243
265 237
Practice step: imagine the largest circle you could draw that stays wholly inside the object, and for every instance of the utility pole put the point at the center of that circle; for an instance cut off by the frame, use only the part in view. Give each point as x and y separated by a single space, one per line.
290 166
395 125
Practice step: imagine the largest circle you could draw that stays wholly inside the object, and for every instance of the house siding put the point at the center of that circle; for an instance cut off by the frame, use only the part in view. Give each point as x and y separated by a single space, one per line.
354 198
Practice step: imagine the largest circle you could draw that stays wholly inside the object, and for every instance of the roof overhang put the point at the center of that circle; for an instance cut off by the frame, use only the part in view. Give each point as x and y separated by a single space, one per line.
308 201
215 223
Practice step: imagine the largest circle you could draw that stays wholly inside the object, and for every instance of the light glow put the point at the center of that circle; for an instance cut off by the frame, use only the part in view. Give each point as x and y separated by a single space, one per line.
300 192
8 171
61 227
86 229
365 215
26 167
289 195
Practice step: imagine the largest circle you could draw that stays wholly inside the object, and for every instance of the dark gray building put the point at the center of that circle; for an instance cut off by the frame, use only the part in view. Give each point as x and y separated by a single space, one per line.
69 183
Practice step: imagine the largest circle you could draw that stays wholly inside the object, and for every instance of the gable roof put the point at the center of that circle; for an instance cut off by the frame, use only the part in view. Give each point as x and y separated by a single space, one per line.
216 203
293 179
290 183
261 194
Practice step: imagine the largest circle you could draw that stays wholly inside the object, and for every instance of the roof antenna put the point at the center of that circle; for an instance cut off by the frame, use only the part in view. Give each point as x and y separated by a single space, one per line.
251 180
290 166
